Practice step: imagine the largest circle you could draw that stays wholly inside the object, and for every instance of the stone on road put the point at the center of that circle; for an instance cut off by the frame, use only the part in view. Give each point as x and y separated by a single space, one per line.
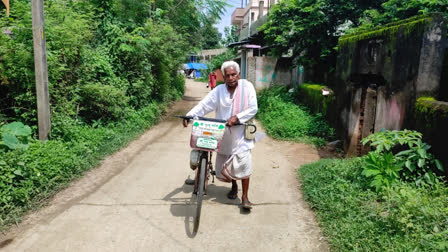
136 200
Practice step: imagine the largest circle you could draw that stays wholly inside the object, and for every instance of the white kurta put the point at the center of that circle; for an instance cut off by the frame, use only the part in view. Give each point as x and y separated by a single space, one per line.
220 101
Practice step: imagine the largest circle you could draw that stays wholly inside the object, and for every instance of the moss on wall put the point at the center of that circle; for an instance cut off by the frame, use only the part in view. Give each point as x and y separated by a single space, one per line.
431 118
311 95
404 27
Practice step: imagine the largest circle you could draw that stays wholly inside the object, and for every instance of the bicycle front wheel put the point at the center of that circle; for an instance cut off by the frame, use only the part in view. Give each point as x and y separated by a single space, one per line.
200 193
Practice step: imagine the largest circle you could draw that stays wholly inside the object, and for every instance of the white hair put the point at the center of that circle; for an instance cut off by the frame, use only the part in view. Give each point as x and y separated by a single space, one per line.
228 64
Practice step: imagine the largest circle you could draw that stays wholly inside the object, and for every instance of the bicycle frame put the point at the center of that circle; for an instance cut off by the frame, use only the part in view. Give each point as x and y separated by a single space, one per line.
206 137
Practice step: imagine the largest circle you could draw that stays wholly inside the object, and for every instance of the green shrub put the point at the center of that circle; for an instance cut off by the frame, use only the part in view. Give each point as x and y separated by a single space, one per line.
179 84
421 166
311 96
431 118
102 101
284 119
15 135
28 176
384 169
216 62
403 217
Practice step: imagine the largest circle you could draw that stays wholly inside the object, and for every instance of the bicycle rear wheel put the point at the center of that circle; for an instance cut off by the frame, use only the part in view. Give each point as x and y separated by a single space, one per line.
200 193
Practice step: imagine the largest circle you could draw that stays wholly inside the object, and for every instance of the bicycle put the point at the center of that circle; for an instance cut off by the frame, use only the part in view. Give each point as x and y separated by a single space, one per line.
205 139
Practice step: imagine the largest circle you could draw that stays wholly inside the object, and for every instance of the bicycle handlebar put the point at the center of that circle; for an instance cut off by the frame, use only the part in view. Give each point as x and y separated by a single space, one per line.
204 119
214 120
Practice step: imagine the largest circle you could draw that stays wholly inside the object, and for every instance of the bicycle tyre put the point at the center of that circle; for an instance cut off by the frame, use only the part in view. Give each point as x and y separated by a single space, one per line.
200 193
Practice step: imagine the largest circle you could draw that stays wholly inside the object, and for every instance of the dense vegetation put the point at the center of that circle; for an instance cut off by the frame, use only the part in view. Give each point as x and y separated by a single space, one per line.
284 119
29 175
102 61
311 28
354 218
389 200
111 74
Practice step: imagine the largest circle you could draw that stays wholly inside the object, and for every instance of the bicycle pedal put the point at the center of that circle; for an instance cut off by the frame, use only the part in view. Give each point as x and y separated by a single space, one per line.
213 173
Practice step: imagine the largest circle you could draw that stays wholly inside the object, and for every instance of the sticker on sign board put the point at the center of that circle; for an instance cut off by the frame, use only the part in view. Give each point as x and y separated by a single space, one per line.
214 129
207 143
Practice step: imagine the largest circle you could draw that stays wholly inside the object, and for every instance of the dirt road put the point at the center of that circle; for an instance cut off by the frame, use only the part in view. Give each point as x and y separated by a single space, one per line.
137 201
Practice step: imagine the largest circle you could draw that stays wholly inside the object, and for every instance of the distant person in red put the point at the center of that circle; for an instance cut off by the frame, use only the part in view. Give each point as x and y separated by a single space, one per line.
212 80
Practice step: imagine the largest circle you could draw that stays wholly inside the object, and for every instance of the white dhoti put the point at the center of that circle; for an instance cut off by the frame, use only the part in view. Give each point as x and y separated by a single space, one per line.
236 166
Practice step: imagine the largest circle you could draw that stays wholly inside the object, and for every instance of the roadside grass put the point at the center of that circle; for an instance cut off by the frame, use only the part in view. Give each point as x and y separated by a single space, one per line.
355 218
205 80
202 79
284 119
29 177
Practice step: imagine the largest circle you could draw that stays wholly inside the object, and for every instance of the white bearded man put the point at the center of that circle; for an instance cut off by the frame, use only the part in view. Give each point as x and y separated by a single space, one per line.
235 102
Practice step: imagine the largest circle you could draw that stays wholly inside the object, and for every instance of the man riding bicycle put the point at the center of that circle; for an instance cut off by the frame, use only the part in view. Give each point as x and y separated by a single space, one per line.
235 102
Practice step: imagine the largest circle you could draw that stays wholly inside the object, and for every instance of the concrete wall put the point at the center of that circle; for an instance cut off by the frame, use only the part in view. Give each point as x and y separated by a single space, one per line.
431 117
261 71
398 67
264 71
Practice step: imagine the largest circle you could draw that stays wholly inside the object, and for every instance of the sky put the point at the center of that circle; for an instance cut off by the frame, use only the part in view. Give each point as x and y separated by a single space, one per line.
225 20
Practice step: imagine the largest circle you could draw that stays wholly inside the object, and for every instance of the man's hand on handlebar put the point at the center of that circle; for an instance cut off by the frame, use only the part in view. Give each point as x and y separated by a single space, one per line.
232 121
185 122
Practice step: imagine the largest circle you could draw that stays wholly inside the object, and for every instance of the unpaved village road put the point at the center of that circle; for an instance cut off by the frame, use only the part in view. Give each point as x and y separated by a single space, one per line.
137 201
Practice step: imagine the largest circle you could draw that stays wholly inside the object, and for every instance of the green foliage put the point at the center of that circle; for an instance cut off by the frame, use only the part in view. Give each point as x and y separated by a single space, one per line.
111 64
383 168
29 176
179 84
421 166
102 102
397 10
211 38
353 218
109 48
431 113
216 62
390 30
15 135
284 119
431 118
311 29
385 140
230 35
311 96
193 19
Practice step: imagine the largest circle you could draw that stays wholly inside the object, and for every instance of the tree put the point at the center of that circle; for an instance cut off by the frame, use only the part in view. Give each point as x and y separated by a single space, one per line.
394 10
211 38
310 30
230 35
194 19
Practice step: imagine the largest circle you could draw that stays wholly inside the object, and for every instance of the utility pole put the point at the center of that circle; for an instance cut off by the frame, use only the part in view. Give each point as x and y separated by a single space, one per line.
40 67
6 3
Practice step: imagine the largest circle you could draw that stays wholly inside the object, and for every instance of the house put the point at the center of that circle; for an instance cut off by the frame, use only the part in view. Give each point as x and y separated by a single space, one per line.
256 66
243 17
